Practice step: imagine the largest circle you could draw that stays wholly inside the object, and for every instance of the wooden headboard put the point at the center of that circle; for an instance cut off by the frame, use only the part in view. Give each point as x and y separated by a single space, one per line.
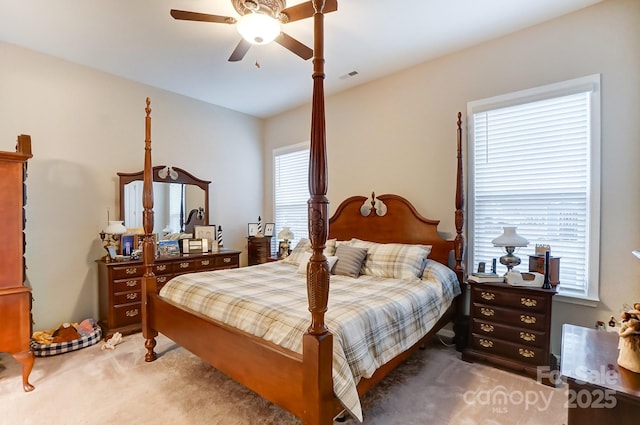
400 223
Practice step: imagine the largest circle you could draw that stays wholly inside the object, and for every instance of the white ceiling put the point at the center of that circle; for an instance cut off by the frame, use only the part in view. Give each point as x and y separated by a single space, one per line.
139 40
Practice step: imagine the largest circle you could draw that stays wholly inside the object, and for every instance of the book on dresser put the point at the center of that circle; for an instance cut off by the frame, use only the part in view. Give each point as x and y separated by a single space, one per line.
484 277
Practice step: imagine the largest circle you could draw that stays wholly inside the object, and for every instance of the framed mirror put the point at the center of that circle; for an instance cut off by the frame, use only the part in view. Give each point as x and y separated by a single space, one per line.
181 200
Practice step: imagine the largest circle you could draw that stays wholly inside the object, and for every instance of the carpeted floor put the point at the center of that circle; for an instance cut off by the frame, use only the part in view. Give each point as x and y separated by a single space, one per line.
93 386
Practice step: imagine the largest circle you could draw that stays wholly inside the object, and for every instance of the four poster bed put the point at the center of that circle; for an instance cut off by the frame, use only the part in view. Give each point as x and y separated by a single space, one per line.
269 344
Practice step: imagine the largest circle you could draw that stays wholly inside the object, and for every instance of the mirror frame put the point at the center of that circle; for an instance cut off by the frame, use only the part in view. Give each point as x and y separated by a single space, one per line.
184 177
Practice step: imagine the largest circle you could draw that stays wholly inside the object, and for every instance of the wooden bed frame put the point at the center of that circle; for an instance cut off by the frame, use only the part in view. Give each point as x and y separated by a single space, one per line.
299 383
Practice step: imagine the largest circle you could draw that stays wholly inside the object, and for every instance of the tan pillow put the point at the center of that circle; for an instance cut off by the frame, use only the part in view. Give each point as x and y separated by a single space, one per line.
393 260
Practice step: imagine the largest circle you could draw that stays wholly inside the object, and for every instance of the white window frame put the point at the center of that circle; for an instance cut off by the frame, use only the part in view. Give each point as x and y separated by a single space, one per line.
590 84
298 234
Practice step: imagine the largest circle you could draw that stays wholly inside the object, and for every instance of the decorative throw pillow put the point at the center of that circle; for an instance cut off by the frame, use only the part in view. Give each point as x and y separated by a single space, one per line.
350 259
393 260
303 246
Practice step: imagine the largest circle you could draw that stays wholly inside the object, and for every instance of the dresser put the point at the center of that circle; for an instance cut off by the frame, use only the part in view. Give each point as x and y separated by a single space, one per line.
510 326
120 285
258 249
15 294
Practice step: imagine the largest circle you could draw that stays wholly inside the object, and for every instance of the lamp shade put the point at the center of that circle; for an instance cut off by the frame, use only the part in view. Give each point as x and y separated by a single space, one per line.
510 238
258 28
115 228
636 253
285 234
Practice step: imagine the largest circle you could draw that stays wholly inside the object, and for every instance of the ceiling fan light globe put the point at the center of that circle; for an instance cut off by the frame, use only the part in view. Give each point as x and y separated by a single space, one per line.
258 28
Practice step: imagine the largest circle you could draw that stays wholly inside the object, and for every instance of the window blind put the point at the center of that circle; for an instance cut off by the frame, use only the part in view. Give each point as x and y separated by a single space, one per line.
531 168
291 193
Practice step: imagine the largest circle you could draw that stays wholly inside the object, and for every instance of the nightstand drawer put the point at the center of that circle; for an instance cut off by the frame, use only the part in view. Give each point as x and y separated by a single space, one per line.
525 301
127 314
125 272
127 297
519 352
510 333
126 285
523 319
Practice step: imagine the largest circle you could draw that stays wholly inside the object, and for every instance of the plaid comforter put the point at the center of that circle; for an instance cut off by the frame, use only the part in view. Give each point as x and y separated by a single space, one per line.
372 319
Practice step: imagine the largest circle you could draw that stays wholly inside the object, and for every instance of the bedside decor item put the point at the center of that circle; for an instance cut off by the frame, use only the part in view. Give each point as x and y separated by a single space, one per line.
509 240
253 229
629 343
260 226
268 229
286 235
111 235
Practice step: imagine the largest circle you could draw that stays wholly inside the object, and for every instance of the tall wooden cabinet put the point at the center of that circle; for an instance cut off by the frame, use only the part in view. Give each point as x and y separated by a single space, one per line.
15 294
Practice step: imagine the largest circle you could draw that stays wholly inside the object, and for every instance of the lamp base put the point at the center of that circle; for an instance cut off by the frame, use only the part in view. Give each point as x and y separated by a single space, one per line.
510 261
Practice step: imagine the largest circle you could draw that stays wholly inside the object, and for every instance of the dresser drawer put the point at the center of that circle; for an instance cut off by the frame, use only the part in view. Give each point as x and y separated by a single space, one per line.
206 264
522 319
226 261
125 272
126 285
162 268
162 280
185 266
127 297
510 333
529 301
518 352
127 314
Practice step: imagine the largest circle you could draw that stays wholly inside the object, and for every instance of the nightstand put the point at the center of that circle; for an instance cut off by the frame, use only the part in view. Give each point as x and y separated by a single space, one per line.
510 326
258 249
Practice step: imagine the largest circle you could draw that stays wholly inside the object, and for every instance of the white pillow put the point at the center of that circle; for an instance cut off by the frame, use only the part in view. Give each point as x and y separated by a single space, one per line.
304 246
302 268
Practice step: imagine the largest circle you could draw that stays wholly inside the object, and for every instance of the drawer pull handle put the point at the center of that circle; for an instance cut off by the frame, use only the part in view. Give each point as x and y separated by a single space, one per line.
184 265
489 296
486 328
162 279
161 267
132 295
528 302
205 262
486 343
527 336
131 282
527 319
132 313
131 270
227 259
487 311
526 353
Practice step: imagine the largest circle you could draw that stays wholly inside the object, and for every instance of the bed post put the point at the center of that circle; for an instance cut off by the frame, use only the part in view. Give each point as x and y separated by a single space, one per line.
460 322
148 254
317 386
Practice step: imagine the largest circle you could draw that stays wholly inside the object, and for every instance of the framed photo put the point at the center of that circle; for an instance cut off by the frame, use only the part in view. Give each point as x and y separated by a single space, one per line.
139 239
168 248
206 232
127 244
268 229
112 252
253 229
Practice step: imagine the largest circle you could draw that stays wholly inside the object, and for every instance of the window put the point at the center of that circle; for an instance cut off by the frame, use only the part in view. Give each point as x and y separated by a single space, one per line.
291 191
534 163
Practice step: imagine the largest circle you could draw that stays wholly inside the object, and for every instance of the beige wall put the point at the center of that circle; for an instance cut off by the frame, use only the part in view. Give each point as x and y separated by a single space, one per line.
397 134
86 126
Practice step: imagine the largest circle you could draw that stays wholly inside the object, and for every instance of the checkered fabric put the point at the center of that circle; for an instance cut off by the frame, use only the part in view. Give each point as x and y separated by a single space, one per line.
45 350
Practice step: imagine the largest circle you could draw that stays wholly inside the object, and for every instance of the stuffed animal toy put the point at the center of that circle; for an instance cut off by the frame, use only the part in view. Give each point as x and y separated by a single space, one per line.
112 342
629 343
65 333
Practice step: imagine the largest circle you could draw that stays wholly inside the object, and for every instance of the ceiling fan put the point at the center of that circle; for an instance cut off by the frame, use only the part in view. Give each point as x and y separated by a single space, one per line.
259 23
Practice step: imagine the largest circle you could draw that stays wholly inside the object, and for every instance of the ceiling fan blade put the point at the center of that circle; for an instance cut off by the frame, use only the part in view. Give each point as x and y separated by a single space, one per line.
294 45
202 17
241 49
306 10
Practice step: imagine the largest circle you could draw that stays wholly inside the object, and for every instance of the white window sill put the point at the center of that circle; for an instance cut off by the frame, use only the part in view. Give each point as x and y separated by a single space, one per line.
575 299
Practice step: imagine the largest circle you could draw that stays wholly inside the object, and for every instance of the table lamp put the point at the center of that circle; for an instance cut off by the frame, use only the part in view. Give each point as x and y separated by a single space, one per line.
509 240
286 235
111 235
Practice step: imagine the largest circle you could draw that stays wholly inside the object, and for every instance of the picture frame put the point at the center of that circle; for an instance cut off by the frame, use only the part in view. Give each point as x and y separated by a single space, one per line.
269 228
167 248
139 239
127 244
253 229
206 232
112 252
